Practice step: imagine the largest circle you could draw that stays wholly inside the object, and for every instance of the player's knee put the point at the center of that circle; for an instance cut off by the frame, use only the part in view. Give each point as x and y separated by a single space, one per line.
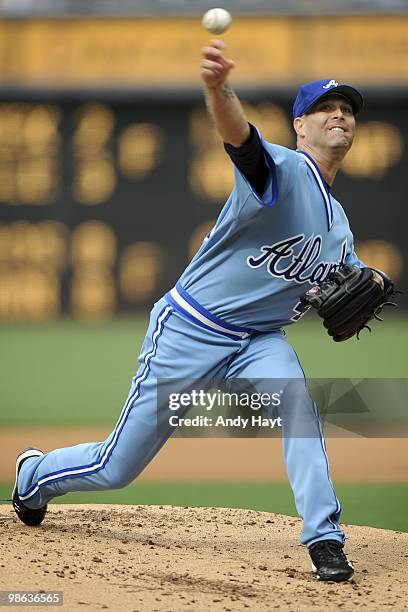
119 478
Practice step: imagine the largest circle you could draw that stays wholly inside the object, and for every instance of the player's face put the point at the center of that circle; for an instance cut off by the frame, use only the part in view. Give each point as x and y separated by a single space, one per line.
330 124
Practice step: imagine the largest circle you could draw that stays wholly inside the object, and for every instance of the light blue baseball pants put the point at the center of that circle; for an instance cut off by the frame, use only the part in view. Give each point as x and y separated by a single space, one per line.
176 347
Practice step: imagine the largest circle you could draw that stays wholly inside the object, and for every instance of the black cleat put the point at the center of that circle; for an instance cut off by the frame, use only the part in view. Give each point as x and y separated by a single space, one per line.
27 515
330 562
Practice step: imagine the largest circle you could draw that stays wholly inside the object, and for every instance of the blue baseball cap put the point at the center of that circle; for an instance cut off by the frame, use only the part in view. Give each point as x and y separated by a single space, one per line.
310 93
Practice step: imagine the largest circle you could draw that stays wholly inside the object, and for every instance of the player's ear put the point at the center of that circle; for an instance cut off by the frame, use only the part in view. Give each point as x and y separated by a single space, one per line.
298 126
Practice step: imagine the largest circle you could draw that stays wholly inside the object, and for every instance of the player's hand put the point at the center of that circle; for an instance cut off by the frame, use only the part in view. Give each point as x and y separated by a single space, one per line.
215 68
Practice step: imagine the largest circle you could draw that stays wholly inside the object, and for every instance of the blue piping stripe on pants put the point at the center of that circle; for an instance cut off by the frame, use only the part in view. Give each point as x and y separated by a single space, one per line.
337 512
95 467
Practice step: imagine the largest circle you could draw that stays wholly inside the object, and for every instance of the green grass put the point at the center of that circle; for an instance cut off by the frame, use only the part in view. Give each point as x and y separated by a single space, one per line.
67 372
381 354
71 373
377 505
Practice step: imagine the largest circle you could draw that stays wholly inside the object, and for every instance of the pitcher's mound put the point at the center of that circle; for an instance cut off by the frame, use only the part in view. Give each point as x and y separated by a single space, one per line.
168 558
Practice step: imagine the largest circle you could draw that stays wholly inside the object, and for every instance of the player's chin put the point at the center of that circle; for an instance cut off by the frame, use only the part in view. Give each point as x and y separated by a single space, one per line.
340 141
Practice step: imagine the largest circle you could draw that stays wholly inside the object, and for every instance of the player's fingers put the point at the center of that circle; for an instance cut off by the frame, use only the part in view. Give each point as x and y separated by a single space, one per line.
216 55
211 76
212 66
211 53
218 43
229 63
217 58
226 65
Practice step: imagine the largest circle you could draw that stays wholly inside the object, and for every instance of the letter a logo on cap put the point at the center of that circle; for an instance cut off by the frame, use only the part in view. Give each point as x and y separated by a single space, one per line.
331 83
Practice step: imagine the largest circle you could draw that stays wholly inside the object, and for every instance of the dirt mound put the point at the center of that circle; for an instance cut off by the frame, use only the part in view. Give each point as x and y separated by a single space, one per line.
168 558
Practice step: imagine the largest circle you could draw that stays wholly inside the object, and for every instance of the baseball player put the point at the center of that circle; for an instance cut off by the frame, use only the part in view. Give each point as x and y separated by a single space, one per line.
280 232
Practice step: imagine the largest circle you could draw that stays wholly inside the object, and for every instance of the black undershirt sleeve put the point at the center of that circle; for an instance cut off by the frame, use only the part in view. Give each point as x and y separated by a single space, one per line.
249 159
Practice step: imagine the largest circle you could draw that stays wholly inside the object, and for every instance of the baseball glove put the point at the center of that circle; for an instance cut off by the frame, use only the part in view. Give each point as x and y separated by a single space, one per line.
349 298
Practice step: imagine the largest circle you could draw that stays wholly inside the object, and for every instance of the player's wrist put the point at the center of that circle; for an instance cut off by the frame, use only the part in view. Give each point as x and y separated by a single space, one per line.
217 88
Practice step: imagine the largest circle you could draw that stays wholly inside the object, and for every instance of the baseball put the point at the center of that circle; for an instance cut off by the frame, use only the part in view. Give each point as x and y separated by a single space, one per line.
216 20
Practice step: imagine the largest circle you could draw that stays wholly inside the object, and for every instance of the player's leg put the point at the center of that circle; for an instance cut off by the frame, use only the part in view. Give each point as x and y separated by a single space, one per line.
173 348
270 356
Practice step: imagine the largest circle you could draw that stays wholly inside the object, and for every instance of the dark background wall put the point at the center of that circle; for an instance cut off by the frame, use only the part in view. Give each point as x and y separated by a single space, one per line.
104 200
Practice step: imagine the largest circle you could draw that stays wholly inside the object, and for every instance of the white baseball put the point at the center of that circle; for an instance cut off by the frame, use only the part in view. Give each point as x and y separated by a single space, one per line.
216 20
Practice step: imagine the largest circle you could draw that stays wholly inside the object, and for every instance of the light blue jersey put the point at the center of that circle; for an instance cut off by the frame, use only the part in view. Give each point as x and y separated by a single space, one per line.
264 253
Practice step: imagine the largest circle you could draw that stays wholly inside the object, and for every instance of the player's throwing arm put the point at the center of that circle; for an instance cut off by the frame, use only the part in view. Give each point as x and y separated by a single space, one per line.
223 104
